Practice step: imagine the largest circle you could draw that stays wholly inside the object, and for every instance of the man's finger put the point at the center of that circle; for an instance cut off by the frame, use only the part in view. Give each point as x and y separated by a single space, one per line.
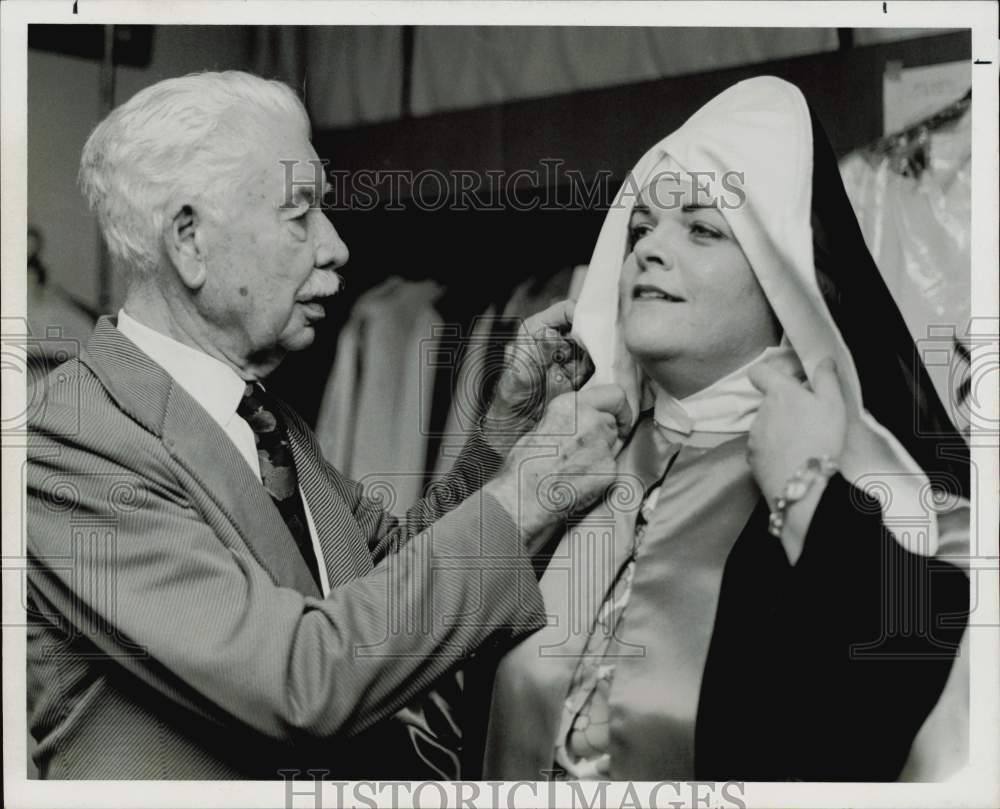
559 380
583 367
555 348
768 379
558 316
580 369
611 425
610 399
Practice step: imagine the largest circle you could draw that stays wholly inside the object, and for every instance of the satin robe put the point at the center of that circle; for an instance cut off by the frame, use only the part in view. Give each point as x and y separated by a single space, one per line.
731 663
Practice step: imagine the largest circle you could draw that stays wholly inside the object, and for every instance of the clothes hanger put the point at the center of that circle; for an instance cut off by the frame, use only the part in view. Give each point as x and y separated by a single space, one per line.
908 149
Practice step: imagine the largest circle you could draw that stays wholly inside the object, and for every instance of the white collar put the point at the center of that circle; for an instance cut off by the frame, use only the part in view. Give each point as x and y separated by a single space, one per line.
729 404
210 382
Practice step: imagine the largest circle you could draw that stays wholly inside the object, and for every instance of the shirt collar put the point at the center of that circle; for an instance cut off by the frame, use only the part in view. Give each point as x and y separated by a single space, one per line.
728 405
210 382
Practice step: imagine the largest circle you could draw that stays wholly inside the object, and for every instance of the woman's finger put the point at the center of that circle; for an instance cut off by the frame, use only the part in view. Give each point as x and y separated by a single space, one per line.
768 379
826 383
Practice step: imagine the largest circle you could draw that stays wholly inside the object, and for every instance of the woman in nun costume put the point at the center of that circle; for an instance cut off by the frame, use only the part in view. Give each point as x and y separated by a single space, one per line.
774 589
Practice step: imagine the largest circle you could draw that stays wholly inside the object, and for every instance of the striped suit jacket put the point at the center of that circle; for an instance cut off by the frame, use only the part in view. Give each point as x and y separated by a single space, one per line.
173 632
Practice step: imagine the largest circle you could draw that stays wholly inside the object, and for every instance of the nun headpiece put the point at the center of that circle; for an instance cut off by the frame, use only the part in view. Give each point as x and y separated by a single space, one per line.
801 238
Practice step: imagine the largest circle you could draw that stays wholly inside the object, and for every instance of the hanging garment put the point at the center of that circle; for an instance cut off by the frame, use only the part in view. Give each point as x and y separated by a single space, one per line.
339 408
483 352
913 202
535 294
833 690
374 417
468 396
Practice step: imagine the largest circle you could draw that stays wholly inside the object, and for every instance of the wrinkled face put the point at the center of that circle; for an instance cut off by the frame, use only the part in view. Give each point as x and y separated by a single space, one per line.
687 293
272 252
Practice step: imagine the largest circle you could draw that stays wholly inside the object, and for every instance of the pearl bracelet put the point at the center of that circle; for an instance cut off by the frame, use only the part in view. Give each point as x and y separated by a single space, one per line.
797 486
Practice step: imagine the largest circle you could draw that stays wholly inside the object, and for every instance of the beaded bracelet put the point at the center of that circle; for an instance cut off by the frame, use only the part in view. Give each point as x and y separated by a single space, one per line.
797 486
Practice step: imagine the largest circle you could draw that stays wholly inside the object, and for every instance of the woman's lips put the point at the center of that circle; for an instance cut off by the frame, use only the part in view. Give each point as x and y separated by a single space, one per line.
646 292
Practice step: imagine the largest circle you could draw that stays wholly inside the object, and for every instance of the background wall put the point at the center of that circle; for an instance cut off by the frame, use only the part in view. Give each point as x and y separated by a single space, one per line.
353 76
64 105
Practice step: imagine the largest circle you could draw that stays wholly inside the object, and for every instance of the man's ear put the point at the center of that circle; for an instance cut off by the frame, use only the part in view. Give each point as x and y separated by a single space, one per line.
184 247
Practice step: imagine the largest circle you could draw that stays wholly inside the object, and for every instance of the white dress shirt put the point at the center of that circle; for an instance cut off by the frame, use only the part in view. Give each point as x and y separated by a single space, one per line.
218 389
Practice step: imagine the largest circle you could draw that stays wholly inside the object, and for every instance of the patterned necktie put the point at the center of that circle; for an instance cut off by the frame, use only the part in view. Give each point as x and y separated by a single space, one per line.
277 470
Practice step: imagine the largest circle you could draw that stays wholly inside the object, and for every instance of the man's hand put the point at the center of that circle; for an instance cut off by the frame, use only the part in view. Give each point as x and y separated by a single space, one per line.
566 462
540 363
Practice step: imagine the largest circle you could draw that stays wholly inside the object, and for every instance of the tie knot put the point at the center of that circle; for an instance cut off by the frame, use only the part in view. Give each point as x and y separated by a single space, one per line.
255 408
250 401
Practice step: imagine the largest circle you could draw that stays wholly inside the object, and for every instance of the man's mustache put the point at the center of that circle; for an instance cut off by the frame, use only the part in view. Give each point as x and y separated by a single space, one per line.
320 285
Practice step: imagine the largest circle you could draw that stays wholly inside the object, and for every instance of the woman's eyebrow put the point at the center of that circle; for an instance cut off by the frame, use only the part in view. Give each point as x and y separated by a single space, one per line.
640 208
693 208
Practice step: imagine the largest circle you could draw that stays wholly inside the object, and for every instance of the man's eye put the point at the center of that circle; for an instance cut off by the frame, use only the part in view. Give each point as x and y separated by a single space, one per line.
298 220
302 207
295 208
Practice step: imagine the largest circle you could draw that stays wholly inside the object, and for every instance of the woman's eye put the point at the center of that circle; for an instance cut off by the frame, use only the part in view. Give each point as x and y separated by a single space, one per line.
636 232
701 229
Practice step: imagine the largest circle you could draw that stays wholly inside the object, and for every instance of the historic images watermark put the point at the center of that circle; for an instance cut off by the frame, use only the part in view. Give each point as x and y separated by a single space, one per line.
549 186
309 789
36 362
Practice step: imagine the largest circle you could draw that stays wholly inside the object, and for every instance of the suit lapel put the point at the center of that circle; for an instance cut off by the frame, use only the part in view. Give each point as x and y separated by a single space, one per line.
196 442
345 547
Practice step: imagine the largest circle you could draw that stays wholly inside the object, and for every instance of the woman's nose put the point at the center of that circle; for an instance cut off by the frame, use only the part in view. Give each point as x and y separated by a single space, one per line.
653 251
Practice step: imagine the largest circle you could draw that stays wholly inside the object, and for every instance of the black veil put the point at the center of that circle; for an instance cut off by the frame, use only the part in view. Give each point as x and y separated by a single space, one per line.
896 388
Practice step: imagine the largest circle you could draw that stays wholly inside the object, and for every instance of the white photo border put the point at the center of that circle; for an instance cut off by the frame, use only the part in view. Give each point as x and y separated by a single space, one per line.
978 785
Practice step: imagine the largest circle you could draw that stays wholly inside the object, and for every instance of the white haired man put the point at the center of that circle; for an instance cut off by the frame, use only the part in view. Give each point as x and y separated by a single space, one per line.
208 598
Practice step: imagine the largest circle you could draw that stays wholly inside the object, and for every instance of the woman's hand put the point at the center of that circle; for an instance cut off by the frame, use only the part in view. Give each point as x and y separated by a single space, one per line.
794 423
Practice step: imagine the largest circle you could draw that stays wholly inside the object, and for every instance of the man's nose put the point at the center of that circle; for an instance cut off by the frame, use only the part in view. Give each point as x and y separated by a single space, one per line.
331 250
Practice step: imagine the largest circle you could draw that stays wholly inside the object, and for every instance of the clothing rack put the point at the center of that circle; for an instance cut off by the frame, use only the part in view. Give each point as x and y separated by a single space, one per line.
952 112
907 148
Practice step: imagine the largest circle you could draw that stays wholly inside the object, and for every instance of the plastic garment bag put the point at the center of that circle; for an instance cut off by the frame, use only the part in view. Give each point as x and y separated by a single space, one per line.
912 196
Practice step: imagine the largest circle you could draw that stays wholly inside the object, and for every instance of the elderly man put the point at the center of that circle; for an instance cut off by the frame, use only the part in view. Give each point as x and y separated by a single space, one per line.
209 598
